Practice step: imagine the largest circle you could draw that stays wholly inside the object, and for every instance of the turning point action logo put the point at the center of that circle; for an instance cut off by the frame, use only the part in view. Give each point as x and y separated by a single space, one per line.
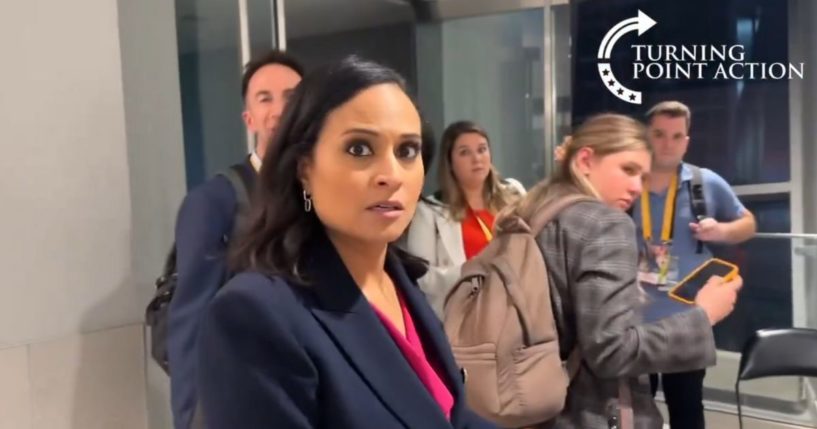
690 62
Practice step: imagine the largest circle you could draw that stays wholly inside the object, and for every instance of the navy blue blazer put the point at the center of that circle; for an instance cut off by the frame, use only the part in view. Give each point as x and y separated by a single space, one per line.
277 355
203 227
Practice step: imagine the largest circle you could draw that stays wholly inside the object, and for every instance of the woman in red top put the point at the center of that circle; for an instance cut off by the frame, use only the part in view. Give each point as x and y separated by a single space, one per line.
457 224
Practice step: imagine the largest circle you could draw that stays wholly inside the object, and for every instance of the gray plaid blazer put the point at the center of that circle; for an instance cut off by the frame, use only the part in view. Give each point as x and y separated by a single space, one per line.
591 254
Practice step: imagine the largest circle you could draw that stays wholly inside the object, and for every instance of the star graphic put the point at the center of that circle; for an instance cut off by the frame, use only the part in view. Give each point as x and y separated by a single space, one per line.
611 82
632 97
605 72
620 91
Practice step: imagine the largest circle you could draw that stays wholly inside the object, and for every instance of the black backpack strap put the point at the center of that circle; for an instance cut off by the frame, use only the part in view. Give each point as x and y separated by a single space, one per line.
696 193
237 180
242 185
170 262
241 178
165 286
696 198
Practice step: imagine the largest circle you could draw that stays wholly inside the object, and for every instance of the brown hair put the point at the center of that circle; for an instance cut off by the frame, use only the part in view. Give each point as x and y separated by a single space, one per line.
673 109
496 197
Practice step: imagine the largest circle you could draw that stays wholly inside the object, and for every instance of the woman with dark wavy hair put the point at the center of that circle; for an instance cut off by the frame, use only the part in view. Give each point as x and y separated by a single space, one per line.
324 326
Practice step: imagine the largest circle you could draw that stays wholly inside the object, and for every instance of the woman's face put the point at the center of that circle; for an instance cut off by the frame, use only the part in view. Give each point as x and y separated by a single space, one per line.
471 160
617 177
365 174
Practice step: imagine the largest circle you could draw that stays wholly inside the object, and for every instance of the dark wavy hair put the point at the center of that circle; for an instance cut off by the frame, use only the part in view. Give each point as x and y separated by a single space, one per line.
278 231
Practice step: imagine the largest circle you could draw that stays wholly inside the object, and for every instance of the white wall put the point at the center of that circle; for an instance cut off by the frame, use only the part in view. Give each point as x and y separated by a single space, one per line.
150 76
91 158
64 158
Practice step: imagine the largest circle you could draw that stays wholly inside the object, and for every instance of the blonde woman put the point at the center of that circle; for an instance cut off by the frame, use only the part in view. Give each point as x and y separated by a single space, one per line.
590 252
457 224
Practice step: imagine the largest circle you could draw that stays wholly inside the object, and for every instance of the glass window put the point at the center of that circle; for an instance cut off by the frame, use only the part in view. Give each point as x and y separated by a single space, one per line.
210 81
322 32
486 68
739 127
210 69
766 267
562 73
492 74
260 15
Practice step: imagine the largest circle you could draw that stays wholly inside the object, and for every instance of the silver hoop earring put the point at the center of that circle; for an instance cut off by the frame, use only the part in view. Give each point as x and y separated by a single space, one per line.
307 202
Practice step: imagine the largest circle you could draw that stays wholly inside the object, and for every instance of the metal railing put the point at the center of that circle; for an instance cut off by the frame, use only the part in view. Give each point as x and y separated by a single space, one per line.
780 290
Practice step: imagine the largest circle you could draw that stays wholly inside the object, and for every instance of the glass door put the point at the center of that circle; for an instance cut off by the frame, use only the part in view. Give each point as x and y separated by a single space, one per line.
463 59
215 39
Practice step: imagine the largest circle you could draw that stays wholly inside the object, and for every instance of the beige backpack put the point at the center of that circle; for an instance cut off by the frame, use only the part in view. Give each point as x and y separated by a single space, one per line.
499 320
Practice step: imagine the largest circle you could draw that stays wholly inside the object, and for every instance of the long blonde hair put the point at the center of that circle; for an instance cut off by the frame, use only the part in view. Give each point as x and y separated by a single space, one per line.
495 195
605 134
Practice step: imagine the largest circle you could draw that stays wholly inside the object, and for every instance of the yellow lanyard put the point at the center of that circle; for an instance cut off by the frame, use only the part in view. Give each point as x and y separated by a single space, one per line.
485 230
669 212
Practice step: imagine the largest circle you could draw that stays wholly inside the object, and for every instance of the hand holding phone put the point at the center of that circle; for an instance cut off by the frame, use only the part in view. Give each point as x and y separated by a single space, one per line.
712 286
718 297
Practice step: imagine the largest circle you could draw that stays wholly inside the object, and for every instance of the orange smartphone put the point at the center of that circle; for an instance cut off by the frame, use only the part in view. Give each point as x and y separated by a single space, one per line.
686 290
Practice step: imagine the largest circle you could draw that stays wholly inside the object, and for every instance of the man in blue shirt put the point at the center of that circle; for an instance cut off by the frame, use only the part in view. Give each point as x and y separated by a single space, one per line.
675 244
205 223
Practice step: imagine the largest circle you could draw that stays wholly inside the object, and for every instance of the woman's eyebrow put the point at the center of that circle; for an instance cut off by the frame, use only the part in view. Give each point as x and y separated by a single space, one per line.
375 133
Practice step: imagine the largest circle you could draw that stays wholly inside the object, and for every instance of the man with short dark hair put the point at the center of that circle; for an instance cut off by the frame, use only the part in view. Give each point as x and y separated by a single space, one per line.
205 225
703 209
266 85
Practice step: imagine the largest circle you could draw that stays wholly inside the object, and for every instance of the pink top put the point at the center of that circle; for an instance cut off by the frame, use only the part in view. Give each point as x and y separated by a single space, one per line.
412 349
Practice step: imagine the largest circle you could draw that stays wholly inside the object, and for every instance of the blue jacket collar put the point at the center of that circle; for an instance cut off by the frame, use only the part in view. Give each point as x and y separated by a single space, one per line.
349 318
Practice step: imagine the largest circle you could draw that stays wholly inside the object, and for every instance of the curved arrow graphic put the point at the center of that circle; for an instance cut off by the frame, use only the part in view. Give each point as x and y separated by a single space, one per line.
641 23
604 53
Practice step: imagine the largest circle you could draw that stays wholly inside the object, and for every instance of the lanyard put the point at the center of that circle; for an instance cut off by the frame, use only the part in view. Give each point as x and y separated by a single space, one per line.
669 212
485 230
